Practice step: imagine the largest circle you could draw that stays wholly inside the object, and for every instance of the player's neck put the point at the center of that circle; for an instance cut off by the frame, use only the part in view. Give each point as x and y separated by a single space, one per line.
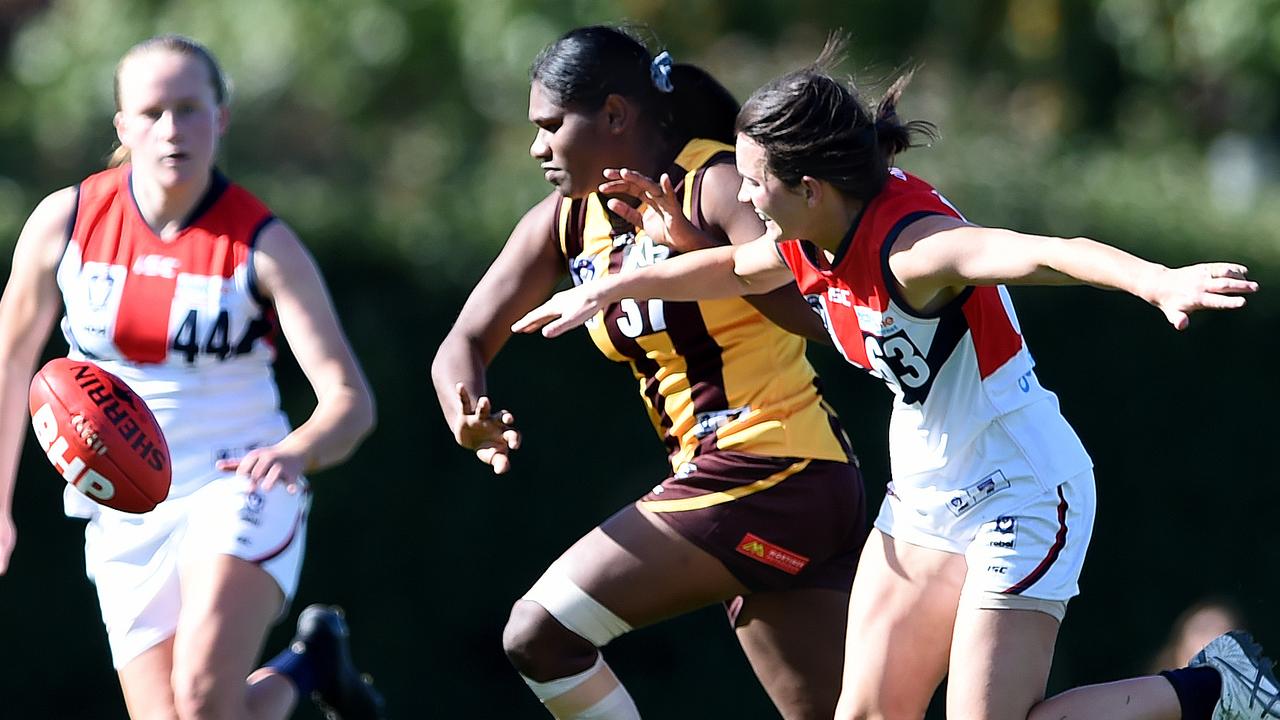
833 219
653 155
166 209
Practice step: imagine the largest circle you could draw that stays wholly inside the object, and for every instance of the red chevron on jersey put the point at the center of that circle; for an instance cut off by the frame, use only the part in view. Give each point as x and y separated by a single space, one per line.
952 370
960 375
135 297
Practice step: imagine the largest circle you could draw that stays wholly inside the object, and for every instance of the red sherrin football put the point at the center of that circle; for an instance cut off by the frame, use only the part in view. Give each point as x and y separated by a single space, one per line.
99 435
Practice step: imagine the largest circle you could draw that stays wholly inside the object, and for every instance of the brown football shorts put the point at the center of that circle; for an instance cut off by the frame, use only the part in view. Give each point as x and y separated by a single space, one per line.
775 523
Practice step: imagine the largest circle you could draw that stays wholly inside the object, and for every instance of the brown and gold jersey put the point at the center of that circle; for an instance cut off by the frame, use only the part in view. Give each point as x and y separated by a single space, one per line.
714 374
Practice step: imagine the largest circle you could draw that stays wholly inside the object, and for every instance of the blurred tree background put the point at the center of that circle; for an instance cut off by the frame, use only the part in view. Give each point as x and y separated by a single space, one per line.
392 135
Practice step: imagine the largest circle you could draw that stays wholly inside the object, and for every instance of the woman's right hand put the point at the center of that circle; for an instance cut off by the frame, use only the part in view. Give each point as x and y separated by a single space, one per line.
490 434
663 216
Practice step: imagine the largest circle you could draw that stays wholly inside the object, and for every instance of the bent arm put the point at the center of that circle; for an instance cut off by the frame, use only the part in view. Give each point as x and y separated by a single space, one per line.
524 274
344 412
28 310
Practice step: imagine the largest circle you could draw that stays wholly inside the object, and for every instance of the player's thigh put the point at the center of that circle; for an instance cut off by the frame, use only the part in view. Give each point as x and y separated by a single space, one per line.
794 640
228 604
643 571
1000 662
901 614
145 681
730 523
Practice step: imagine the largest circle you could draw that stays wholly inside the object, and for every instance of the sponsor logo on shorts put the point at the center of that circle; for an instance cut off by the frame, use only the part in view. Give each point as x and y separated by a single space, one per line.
252 511
766 552
965 499
234 453
1004 531
684 471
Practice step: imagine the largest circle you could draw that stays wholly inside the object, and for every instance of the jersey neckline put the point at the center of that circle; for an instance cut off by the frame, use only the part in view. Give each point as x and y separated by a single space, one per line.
217 186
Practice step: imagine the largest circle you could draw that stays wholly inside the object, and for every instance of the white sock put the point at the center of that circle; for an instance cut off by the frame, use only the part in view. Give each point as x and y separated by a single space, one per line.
593 694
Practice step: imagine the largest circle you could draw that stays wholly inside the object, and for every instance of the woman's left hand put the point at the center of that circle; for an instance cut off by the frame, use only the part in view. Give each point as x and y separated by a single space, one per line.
269 465
1178 292
563 311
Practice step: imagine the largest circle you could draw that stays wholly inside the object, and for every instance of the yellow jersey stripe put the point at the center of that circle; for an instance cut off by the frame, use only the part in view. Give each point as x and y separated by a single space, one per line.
716 498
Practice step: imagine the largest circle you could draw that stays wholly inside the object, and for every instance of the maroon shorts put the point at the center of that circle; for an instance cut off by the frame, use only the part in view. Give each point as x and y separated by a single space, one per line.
775 523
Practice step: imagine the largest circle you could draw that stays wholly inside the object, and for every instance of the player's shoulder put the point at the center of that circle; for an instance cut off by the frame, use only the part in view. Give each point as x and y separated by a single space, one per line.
906 194
57 205
543 219
901 182
238 201
717 192
49 225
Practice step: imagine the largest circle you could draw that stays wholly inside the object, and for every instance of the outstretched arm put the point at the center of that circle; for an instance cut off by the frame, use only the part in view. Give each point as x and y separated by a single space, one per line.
785 306
525 272
939 252
723 217
722 272
28 311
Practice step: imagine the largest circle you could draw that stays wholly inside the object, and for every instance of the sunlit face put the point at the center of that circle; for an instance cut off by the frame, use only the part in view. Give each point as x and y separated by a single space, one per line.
169 116
571 145
774 202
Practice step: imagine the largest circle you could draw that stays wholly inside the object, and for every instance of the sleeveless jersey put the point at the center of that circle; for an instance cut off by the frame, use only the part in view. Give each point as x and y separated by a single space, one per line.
713 374
954 372
180 320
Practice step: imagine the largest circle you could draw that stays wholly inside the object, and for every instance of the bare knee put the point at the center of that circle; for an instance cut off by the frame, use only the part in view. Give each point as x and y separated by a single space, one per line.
541 648
201 695
866 714
879 709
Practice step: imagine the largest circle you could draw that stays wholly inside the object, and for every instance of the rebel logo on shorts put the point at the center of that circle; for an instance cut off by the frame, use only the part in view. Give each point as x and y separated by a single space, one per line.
770 554
964 500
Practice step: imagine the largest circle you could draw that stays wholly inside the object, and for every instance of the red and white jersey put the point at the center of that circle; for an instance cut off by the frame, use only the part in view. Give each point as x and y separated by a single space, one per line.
954 372
180 319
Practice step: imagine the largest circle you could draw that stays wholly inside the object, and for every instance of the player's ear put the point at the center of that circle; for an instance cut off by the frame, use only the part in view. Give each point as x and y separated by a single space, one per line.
811 189
617 112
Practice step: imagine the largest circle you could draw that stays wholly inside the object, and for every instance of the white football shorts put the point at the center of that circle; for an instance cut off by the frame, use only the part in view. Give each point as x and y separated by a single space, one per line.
1020 535
135 560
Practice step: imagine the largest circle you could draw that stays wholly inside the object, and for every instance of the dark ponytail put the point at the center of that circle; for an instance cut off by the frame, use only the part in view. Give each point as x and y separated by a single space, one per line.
588 64
810 123
699 106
